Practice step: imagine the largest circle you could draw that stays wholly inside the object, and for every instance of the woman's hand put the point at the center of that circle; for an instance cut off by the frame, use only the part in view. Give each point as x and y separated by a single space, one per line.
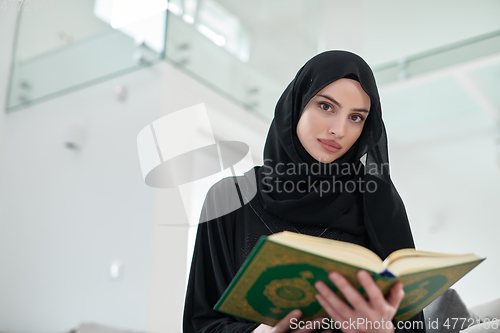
376 309
287 323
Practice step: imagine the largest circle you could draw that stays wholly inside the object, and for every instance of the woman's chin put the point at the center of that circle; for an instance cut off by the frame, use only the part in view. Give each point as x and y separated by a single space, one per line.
325 159
329 157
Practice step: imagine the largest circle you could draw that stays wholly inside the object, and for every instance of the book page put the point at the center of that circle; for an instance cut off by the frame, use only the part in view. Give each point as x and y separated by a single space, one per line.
408 261
345 252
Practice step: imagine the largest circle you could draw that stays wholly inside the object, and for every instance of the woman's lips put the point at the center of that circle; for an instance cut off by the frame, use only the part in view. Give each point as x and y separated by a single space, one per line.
328 146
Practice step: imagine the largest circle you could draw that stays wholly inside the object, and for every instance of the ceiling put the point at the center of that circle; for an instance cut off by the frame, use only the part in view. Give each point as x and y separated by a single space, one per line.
291 31
439 104
286 33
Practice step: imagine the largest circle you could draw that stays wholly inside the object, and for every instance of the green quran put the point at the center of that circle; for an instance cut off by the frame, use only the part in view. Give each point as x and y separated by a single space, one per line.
279 275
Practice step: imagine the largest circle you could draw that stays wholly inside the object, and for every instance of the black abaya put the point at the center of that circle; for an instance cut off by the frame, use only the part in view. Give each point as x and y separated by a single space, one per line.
223 244
374 219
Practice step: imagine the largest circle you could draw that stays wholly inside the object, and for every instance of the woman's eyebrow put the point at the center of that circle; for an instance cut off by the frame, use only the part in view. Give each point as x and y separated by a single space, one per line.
340 106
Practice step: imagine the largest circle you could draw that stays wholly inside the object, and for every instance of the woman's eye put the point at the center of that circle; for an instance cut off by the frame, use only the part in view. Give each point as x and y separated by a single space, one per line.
325 106
357 118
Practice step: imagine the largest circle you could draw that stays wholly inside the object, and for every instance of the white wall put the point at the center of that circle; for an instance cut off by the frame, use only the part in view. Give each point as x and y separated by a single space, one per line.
442 130
66 215
451 190
229 122
7 24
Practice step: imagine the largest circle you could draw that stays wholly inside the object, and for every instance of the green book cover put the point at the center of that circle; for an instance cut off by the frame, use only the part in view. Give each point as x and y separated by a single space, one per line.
276 279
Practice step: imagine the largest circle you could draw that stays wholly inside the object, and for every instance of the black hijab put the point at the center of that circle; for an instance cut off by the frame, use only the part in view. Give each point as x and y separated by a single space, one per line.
286 160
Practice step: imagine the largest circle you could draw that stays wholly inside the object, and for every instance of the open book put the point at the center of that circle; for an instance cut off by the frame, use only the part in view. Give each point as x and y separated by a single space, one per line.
279 274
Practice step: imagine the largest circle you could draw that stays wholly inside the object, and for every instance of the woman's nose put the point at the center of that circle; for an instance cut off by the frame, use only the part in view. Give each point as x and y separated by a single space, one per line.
337 128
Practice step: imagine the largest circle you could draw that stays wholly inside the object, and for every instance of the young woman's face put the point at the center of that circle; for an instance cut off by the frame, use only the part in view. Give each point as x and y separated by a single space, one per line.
332 121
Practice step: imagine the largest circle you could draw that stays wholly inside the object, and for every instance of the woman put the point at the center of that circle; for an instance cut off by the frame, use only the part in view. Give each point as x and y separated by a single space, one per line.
326 174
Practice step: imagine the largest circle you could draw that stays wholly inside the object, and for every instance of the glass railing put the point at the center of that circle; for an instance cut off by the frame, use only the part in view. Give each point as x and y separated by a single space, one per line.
201 57
76 43
258 89
71 45
439 58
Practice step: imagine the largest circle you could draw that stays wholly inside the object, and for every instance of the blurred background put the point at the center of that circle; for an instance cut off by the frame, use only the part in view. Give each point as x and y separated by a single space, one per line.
84 239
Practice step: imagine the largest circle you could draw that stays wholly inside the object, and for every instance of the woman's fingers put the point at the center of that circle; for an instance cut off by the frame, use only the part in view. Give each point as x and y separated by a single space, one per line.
332 303
397 294
329 308
373 291
350 293
378 307
284 324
